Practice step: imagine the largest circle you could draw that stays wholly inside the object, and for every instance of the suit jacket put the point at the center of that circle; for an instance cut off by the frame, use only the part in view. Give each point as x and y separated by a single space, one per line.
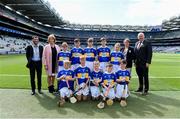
130 56
143 55
29 54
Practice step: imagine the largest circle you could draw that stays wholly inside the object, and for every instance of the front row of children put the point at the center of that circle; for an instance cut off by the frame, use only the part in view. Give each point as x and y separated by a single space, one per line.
86 83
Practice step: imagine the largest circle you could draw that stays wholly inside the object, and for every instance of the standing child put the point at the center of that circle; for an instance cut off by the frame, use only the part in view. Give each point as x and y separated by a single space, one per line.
63 55
90 54
116 57
122 82
82 74
103 53
76 52
96 76
108 81
66 82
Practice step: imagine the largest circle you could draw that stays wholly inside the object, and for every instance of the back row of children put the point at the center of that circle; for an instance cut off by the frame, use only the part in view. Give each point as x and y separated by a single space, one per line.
90 70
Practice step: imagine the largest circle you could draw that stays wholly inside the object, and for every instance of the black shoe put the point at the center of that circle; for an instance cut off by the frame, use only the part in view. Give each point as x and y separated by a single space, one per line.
138 91
50 89
33 93
145 93
53 88
40 92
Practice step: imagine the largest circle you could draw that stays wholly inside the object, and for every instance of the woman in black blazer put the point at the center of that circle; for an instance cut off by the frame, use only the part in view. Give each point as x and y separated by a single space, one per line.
129 55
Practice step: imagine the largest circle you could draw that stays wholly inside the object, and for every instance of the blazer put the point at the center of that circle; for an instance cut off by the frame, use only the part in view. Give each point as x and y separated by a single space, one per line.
143 55
130 56
30 53
47 58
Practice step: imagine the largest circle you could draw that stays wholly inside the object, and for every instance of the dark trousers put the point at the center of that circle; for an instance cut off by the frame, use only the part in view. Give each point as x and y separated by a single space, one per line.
35 67
142 72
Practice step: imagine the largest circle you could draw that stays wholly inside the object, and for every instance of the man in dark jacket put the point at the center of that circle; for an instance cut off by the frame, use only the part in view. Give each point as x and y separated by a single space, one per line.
34 58
143 53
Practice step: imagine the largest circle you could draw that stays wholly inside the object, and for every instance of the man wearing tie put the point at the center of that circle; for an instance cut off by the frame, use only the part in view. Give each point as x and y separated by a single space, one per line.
143 54
34 58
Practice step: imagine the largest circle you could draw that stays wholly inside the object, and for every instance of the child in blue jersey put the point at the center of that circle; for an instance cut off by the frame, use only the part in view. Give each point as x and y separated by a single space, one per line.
103 53
65 82
96 78
76 52
116 57
108 81
90 54
63 55
82 74
122 80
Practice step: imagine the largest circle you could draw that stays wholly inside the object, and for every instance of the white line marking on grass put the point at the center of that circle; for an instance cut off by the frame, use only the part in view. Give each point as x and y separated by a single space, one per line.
21 75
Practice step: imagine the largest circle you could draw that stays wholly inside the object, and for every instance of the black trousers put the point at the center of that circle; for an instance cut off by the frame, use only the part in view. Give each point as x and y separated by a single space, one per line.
35 67
142 72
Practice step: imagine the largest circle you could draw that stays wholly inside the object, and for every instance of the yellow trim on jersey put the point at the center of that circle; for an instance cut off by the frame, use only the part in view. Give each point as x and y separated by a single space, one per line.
80 75
104 54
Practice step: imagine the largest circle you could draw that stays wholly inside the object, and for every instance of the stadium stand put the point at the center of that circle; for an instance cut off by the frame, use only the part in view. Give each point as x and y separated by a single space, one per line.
19 21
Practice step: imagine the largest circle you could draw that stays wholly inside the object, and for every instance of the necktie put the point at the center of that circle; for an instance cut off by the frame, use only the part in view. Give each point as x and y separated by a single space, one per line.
139 45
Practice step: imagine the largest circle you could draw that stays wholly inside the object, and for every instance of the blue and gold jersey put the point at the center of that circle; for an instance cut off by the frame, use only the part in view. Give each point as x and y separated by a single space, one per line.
62 56
95 76
75 55
90 54
116 57
108 78
103 54
62 83
82 74
123 74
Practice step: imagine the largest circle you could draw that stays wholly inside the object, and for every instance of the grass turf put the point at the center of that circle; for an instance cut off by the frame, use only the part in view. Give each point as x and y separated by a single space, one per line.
163 100
164 70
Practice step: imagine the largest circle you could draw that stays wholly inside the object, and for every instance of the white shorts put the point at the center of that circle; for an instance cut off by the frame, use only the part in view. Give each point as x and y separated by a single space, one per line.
74 66
103 66
65 92
84 91
60 68
89 65
111 94
119 91
95 92
115 68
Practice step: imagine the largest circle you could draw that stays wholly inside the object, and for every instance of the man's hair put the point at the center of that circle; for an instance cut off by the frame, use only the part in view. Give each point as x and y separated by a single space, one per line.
34 37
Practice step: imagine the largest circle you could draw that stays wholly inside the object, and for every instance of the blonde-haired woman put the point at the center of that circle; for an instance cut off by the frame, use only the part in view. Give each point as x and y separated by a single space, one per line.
50 61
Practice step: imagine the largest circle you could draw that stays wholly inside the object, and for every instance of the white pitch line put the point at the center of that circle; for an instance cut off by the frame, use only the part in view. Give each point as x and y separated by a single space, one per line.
19 75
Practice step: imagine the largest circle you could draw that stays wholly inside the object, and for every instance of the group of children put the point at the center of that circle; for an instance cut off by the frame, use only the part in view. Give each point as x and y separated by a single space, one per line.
91 72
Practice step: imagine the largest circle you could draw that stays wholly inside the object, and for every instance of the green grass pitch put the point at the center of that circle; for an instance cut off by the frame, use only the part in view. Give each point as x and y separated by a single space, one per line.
163 100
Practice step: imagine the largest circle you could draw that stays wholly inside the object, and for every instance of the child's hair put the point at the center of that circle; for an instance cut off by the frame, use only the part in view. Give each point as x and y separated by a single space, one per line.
82 57
103 39
76 40
96 62
123 61
64 43
109 65
67 62
117 44
90 40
